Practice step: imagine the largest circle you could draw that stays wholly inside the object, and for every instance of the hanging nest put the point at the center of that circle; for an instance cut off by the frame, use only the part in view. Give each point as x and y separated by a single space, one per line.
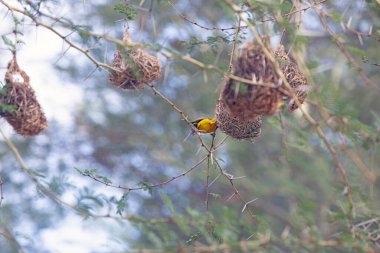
135 66
246 100
294 76
236 127
27 117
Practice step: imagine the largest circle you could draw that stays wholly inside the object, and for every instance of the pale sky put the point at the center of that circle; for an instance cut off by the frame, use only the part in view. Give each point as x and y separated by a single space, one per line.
58 98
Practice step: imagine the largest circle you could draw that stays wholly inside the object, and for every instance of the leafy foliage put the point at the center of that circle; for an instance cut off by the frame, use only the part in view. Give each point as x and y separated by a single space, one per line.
308 184
127 10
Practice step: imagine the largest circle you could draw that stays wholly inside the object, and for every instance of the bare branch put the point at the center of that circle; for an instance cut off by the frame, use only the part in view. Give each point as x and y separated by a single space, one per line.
7 234
129 189
343 49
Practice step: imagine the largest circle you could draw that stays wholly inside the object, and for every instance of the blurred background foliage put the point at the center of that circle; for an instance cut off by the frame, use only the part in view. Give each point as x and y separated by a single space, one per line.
297 201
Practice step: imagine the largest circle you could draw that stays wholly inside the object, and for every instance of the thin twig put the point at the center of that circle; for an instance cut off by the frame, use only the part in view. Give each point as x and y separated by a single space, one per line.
7 234
339 167
119 42
199 25
234 45
354 157
358 161
180 112
236 192
31 175
59 201
184 117
220 144
1 191
359 34
167 53
283 136
343 49
209 162
63 37
207 181
129 189
243 27
259 245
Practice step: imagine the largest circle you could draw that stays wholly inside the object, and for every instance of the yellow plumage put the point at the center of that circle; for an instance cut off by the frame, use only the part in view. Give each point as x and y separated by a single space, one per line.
206 125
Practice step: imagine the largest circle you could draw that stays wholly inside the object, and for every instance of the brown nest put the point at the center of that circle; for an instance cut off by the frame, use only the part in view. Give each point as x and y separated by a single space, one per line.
236 127
247 100
135 68
294 76
27 117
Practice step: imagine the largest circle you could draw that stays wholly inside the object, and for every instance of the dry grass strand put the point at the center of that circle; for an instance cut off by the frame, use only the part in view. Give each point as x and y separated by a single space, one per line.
236 127
246 100
136 67
28 119
296 79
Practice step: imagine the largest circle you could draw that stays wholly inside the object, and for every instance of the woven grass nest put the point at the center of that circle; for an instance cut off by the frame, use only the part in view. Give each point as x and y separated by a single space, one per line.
247 100
236 127
294 76
136 67
28 118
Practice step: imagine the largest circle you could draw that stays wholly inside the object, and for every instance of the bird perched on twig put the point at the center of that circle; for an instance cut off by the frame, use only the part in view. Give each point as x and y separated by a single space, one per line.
205 125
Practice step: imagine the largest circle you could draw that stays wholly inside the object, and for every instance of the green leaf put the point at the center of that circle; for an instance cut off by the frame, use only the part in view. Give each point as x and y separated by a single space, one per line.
211 41
357 51
7 108
191 44
87 172
273 121
104 179
336 16
183 223
129 11
374 6
58 184
167 202
290 28
301 40
286 7
92 174
193 238
130 62
301 144
8 42
146 187
312 64
122 204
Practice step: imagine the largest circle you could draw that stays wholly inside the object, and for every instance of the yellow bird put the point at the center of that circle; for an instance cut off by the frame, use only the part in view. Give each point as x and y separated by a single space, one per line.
205 125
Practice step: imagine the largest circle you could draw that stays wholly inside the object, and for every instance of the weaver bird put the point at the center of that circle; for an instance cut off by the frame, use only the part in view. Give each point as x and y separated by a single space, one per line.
205 125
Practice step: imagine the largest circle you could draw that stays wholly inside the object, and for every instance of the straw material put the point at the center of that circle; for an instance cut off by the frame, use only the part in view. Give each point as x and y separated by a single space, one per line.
28 118
135 68
296 79
247 100
236 127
